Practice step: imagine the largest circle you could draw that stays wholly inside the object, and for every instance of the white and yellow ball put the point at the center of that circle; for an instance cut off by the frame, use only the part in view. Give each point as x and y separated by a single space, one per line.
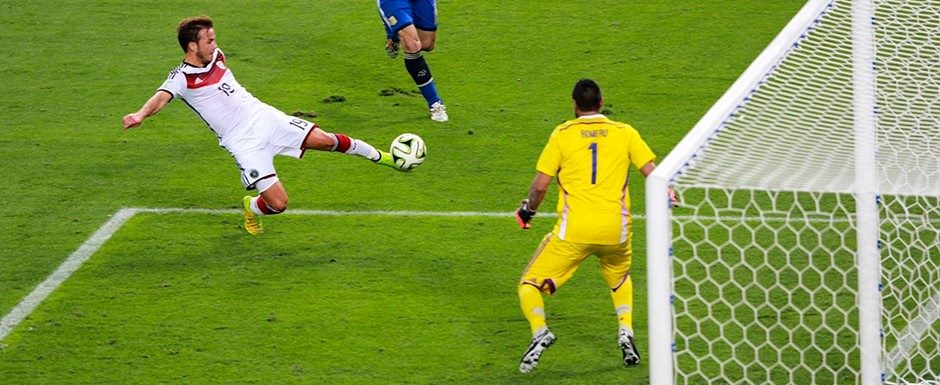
408 151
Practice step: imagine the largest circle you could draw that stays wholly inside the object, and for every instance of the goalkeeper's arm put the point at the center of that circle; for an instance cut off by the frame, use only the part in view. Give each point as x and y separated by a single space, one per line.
536 195
647 169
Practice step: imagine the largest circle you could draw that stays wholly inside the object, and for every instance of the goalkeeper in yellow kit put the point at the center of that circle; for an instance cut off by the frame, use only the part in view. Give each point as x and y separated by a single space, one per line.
591 156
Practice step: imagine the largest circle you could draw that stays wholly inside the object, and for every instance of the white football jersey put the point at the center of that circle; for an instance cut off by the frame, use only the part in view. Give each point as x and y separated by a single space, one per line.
215 96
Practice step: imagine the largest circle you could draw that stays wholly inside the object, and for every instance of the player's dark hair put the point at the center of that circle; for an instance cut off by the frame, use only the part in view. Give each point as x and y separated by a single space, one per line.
587 95
188 29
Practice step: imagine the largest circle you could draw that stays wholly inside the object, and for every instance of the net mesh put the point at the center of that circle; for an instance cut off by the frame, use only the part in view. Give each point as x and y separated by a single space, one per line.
764 244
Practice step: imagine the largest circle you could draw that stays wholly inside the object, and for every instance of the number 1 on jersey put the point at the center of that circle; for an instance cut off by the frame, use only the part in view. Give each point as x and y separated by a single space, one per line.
593 148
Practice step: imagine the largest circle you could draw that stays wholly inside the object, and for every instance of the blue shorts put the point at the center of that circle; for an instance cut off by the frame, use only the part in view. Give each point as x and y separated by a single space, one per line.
398 14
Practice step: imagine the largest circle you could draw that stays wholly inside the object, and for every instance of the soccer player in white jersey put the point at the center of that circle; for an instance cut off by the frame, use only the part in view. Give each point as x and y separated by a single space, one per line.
252 131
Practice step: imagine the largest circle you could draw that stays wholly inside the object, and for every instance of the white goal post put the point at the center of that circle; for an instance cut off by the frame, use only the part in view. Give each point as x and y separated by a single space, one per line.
806 247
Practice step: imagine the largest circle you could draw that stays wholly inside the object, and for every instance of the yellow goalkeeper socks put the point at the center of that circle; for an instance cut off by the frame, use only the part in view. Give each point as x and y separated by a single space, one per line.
530 299
623 304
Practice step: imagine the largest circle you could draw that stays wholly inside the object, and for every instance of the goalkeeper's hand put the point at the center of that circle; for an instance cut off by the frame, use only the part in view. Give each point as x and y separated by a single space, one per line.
673 201
524 215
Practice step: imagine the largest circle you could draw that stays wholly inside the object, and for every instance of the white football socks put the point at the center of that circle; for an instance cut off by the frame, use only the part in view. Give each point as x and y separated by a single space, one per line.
363 149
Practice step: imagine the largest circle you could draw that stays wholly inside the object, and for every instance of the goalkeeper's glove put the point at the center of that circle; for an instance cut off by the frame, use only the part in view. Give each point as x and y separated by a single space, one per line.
524 215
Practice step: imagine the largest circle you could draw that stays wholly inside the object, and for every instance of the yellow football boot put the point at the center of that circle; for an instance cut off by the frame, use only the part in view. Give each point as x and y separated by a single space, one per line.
252 223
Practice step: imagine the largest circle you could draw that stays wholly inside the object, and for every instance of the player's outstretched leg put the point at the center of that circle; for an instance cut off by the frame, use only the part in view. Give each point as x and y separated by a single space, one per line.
631 356
541 342
385 159
352 146
252 223
335 142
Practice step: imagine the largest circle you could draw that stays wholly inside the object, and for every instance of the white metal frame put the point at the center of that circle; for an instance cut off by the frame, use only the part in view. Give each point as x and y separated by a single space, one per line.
867 259
659 231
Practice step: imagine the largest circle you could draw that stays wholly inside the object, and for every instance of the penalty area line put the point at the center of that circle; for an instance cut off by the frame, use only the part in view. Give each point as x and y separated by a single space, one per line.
64 271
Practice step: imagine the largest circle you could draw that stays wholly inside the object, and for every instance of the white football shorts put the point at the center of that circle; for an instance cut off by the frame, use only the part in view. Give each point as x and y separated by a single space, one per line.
270 133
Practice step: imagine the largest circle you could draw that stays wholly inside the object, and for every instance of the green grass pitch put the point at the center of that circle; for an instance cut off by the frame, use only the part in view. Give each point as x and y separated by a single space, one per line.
191 298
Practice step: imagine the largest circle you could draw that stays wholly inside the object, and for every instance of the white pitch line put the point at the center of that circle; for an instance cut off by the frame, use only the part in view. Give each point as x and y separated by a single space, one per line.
912 334
71 264
340 213
777 217
96 240
470 214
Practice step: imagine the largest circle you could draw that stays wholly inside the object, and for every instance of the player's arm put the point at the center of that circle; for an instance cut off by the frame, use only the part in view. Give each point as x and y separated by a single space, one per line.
535 197
647 169
151 107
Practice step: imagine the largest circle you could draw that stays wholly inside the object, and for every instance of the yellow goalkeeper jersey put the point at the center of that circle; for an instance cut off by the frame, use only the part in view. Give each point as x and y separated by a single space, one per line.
591 157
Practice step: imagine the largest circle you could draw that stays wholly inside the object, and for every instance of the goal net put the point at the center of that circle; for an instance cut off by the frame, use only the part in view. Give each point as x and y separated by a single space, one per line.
806 246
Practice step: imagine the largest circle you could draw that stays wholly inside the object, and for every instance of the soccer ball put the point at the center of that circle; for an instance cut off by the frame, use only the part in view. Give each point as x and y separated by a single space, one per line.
408 151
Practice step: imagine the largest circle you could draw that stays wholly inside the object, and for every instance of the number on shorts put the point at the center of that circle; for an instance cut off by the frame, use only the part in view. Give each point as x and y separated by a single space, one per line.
301 124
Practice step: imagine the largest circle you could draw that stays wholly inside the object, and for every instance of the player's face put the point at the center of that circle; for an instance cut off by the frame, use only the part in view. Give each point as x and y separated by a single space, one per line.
206 45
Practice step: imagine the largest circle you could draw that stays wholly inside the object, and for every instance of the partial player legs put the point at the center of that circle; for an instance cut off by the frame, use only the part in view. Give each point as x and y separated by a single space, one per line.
623 303
553 263
414 43
252 224
631 355
420 73
541 342
533 307
428 39
324 141
273 197
438 112
273 200
615 268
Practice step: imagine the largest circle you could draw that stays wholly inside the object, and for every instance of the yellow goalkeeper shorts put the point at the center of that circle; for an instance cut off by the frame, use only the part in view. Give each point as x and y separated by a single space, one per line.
555 261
